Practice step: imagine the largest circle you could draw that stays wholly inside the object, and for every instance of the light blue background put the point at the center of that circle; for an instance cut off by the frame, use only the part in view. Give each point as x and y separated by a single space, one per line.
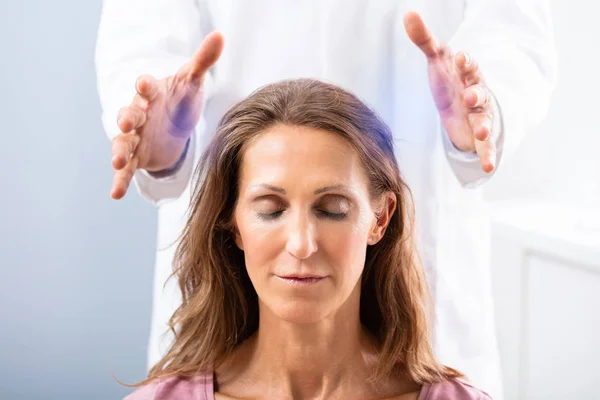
76 266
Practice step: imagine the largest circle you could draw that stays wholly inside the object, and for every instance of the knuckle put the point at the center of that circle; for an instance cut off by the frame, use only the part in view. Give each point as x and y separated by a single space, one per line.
139 102
120 113
118 140
133 114
129 147
471 80
141 116
135 139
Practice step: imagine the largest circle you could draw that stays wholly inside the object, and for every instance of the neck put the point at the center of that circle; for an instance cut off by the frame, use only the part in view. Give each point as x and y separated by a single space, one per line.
312 360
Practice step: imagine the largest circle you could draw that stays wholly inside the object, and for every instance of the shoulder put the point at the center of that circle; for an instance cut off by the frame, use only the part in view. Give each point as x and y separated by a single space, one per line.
180 388
452 389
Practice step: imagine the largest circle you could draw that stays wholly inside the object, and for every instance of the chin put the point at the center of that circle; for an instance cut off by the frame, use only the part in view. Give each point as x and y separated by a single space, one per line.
301 311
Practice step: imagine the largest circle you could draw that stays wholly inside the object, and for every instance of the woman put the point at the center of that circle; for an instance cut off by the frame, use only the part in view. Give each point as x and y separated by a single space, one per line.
297 266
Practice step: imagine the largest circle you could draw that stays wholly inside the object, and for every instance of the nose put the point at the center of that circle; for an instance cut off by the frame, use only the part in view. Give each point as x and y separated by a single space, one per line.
301 241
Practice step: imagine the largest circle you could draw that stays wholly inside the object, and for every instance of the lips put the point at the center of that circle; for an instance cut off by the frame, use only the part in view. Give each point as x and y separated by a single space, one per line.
301 276
301 279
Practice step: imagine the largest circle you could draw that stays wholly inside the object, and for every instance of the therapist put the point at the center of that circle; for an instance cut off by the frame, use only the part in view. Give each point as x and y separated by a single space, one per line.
457 102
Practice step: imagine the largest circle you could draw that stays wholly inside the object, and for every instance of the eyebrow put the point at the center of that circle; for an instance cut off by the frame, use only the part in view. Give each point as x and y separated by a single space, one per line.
318 191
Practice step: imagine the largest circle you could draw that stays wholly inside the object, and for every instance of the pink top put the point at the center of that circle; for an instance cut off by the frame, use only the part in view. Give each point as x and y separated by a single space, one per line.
201 388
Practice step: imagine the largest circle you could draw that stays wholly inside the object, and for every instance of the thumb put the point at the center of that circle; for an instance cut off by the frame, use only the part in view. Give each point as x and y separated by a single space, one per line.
419 34
207 54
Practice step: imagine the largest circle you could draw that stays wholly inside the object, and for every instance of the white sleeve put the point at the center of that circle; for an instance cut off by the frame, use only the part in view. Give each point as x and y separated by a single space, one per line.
154 37
513 43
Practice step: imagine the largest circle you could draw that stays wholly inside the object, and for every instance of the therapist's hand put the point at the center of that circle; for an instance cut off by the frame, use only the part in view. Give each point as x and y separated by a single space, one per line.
460 93
161 117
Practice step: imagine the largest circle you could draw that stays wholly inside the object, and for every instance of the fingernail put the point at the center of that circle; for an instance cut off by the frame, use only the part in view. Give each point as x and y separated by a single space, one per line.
467 59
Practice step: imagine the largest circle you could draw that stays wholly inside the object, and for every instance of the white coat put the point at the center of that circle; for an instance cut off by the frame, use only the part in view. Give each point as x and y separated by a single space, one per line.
362 46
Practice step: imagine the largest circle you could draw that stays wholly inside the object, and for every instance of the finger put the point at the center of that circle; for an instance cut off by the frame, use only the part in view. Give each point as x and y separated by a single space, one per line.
122 179
130 118
147 87
481 125
468 67
486 150
123 146
207 54
420 35
476 96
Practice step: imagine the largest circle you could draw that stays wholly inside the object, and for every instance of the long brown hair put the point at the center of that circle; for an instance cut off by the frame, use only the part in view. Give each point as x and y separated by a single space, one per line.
219 306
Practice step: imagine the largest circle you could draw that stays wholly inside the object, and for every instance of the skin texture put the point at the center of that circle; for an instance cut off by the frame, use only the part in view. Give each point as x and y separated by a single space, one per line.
157 123
310 342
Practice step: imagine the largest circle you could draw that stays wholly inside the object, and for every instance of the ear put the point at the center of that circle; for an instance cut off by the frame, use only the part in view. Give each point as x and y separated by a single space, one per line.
383 214
237 238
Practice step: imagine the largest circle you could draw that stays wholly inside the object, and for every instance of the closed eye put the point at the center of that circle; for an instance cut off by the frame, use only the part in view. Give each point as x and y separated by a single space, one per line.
334 216
269 216
321 213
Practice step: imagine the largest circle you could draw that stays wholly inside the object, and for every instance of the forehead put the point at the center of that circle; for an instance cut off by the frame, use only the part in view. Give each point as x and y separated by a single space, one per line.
301 155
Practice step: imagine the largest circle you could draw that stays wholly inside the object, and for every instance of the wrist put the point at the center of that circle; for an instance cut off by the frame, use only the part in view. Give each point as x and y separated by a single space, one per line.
175 167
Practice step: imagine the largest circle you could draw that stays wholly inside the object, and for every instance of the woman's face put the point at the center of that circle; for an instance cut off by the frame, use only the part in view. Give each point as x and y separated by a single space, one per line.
304 221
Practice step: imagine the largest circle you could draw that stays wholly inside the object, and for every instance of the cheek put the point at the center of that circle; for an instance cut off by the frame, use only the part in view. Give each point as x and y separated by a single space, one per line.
345 239
260 241
345 244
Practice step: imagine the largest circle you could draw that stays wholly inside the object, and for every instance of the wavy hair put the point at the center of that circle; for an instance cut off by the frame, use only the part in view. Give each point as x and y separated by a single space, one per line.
219 306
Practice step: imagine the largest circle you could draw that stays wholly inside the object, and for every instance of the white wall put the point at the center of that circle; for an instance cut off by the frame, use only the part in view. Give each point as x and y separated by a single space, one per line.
546 311
561 160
